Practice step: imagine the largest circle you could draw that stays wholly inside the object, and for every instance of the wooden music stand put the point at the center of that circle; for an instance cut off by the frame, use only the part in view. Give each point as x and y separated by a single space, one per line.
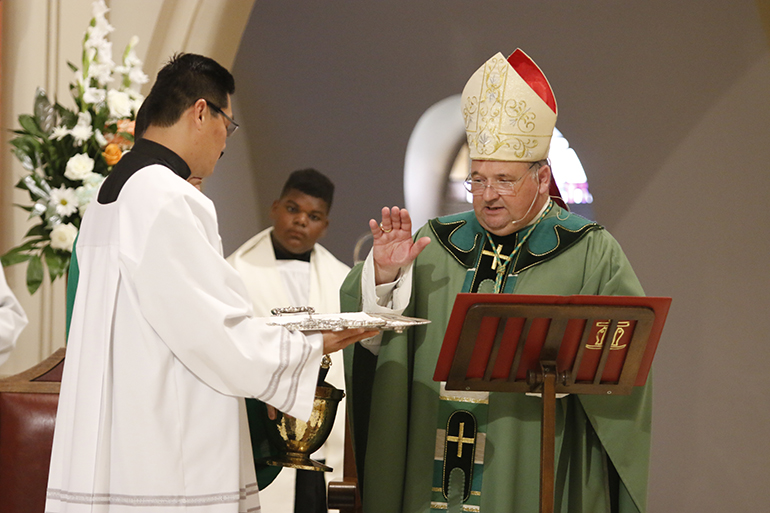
550 344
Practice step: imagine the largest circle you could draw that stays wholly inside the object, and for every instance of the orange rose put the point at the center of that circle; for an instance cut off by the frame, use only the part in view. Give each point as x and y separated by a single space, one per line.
112 154
125 126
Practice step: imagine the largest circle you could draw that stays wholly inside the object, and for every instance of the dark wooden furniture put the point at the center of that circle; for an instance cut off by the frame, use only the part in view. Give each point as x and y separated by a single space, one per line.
28 403
344 495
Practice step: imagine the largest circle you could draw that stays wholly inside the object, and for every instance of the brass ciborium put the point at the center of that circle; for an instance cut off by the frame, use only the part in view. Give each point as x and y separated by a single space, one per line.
297 440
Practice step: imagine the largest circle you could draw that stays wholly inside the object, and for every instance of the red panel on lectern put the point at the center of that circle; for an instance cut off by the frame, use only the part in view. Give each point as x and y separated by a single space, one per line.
483 347
508 351
512 335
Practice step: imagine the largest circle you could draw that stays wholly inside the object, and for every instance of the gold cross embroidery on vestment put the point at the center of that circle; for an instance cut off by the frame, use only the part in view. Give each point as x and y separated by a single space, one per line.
460 440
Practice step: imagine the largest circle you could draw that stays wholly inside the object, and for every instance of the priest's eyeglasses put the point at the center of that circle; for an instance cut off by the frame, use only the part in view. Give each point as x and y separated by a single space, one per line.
501 187
233 126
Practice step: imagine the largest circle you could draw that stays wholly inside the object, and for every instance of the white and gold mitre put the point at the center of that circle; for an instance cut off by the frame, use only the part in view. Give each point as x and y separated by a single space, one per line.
509 110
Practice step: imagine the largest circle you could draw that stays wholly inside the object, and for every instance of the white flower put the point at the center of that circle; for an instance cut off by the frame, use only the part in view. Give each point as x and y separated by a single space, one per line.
83 130
104 52
94 95
99 9
60 132
81 133
85 193
63 236
119 103
99 136
90 56
80 80
136 100
101 27
79 167
64 201
102 72
94 179
137 76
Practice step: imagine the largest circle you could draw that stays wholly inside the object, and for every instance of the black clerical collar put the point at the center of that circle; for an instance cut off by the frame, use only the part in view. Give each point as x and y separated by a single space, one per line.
171 160
144 153
504 239
282 254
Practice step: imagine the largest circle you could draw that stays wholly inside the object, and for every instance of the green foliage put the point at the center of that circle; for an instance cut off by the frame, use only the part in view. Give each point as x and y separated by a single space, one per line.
52 135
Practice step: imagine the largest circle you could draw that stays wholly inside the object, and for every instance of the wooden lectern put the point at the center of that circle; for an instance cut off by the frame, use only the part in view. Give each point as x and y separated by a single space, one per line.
550 345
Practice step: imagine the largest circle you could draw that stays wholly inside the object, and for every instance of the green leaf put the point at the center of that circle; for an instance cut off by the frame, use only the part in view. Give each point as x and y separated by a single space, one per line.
32 146
14 256
38 229
27 149
68 117
44 111
127 136
56 261
30 244
29 123
24 142
26 162
34 274
72 67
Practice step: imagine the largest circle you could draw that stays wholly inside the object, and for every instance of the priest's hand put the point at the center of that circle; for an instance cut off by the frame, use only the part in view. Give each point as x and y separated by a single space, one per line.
336 340
393 247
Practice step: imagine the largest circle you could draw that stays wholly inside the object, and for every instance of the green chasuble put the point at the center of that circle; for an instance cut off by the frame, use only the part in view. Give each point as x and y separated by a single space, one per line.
602 443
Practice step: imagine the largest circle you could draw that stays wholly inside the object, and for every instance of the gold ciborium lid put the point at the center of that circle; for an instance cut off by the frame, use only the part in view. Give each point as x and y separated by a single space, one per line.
297 440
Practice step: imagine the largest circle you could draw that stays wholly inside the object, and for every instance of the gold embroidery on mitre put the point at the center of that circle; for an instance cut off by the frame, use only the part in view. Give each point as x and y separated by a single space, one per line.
504 118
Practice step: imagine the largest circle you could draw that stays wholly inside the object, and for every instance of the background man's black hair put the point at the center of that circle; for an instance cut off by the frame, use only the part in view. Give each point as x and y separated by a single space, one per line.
311 182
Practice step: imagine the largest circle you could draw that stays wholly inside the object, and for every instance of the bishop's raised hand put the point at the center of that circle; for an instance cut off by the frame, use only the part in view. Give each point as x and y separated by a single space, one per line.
393 247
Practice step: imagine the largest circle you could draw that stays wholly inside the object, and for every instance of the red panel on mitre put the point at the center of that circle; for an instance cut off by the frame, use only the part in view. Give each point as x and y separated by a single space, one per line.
533 76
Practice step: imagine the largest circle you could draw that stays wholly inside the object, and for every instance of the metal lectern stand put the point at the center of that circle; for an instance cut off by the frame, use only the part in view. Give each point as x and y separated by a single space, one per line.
550 344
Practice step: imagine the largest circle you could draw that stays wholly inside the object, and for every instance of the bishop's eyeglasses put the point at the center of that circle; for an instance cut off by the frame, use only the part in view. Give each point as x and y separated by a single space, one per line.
501 187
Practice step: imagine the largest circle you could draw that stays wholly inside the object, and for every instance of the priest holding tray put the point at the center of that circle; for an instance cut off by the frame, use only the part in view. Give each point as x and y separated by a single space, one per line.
519 239
163 341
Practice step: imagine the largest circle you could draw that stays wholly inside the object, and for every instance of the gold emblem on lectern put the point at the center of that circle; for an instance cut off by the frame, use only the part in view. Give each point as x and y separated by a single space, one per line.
602 334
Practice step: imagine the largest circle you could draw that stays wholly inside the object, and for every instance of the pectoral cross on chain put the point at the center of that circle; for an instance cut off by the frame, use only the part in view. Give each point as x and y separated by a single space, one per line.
498 257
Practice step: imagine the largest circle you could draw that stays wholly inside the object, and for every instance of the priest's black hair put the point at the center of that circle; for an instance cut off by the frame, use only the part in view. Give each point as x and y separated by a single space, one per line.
186 78
311 182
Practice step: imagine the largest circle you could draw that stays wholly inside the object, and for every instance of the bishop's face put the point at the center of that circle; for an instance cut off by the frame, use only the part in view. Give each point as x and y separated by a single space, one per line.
503 214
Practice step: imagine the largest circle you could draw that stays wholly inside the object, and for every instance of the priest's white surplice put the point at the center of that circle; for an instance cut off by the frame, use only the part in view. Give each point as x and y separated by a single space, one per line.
162 344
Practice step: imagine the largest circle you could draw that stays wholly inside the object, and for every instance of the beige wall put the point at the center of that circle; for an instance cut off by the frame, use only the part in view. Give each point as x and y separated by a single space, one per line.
39 37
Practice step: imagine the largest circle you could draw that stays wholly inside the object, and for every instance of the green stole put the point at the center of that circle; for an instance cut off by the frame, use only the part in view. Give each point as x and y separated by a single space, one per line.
492 265
73 275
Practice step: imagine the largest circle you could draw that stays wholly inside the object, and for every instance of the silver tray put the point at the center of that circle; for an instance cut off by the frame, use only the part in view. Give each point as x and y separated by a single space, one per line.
305 319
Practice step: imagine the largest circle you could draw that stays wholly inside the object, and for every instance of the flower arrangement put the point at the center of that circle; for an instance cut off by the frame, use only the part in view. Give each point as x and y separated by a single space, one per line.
67 153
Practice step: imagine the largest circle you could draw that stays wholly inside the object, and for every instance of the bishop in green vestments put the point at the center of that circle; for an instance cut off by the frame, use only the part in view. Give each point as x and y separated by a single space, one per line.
410 433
